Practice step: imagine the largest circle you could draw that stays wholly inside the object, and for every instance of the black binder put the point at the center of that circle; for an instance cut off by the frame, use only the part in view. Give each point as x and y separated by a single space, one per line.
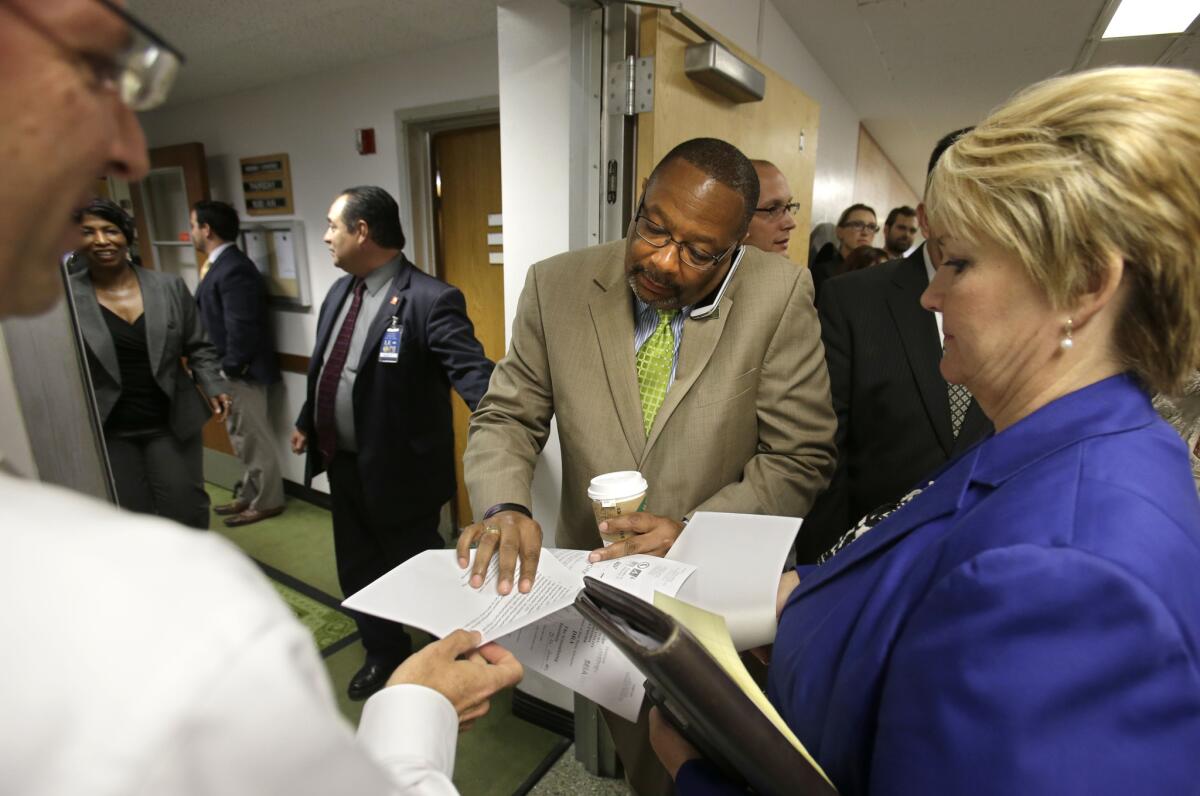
695 694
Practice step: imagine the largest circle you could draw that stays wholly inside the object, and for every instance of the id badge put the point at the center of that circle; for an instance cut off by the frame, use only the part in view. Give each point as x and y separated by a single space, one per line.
389 349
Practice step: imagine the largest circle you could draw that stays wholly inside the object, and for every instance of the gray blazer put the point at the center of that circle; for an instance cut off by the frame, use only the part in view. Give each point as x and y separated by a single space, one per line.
173 330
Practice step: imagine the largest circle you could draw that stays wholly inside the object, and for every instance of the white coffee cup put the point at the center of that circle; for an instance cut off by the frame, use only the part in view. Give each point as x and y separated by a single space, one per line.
614 494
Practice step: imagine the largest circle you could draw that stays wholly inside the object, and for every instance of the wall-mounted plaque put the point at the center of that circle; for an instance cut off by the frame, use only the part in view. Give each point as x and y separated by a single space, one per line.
267 184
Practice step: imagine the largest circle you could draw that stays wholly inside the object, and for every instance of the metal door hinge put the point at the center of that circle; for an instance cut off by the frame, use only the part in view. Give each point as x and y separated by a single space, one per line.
631 86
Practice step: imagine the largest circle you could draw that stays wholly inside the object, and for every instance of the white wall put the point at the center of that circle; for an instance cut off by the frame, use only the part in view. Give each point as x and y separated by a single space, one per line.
313 120
535 131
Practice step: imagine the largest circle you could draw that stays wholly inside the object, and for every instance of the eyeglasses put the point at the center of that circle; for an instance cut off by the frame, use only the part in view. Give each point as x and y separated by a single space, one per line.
689 255
145 70
776 211
141 74
861 225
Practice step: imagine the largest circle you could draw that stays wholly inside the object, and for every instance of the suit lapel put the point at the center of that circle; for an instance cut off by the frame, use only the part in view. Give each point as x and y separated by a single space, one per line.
917 329
91 324
393 302
695 349
156 308
337 295
612 316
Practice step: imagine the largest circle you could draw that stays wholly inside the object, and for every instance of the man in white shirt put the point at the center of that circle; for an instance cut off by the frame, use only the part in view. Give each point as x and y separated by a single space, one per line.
142 658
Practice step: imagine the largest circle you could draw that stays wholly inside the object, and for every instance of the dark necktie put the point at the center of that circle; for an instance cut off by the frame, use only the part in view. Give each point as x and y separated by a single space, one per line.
331 375
960 399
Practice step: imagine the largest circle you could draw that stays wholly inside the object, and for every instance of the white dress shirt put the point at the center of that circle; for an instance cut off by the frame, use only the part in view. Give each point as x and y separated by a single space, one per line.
144 658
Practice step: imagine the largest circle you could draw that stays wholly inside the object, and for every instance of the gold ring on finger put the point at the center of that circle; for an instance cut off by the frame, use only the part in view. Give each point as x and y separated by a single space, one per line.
491 529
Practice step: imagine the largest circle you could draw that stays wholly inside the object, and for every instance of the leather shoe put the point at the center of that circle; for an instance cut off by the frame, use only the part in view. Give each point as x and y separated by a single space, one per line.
252 515
370 678
236 507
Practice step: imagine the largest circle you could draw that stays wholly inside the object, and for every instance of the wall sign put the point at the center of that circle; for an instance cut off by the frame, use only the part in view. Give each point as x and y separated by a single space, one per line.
267 184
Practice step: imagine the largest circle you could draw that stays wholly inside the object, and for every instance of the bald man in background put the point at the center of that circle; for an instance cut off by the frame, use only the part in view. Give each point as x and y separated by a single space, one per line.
775 214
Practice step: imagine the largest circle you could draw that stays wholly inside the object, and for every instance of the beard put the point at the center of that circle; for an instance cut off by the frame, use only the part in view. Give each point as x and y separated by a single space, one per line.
670 300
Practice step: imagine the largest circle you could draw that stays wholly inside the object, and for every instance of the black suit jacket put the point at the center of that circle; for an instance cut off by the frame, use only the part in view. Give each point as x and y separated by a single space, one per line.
402 417
892 405
233 305
823 266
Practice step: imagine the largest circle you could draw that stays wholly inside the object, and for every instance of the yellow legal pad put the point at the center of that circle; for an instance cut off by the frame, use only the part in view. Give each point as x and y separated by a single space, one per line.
710 630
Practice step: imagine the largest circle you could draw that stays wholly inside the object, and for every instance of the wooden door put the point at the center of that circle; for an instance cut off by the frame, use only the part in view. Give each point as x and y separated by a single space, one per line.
466 169
770 130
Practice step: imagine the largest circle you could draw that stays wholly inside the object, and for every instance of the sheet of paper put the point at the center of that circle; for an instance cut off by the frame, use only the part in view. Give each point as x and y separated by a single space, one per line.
574 653
430 592
255 246
638 575
285 253
739 559
713 634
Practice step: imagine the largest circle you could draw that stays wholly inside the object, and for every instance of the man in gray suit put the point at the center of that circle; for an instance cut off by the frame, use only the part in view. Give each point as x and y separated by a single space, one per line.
677 352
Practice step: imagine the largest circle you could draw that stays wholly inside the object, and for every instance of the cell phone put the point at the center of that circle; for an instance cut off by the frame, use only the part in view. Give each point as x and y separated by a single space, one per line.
705 310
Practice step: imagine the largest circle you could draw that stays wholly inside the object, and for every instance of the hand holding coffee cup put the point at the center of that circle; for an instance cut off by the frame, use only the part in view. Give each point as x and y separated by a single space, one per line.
615 494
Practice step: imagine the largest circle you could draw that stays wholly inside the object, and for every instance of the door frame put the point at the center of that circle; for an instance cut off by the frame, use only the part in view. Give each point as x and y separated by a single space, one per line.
415 128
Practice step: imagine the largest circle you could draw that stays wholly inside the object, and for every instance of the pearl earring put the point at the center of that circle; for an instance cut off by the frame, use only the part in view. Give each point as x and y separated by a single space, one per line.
1066 343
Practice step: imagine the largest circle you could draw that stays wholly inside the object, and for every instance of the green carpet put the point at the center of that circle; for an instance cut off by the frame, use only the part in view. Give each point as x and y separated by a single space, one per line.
495 758
328 625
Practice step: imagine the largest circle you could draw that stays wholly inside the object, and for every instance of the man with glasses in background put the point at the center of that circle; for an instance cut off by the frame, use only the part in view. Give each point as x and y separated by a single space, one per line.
677 352
142 658
856 227
774 218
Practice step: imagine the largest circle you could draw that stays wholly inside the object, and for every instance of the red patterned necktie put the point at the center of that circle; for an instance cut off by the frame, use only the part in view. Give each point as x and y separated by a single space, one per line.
331 375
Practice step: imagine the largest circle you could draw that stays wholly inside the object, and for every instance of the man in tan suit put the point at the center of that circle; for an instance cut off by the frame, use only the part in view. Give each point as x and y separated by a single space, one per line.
745 424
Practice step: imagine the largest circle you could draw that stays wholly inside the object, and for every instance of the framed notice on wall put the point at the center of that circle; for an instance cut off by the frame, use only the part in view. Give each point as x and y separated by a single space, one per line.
267 184
277 249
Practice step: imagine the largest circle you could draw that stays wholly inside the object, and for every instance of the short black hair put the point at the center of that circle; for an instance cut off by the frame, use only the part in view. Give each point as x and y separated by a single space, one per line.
376 207
723 162
943 144
902 210
856 206
220 217
111 212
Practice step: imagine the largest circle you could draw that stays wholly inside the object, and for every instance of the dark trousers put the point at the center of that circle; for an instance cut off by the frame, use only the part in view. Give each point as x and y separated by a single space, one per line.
156 473
368 547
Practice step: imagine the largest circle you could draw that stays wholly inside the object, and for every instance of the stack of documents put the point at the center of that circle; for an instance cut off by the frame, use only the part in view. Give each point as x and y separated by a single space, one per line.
728 564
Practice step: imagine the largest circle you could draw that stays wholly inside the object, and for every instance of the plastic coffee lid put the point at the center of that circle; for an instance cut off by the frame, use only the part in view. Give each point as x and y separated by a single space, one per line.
616 486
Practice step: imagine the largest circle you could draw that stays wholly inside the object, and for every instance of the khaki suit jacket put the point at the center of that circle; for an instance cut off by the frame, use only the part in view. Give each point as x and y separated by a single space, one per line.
747 426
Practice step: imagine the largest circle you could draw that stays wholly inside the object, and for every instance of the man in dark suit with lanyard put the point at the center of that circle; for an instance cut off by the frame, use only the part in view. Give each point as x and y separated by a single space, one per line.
391 340
232 298
898 419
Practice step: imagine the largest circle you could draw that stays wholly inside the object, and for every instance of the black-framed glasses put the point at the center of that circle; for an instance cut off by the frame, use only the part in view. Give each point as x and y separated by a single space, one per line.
861 225
141 74
689 255
775 212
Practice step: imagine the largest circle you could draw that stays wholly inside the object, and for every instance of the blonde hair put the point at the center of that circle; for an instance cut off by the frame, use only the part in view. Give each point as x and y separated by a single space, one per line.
1077 168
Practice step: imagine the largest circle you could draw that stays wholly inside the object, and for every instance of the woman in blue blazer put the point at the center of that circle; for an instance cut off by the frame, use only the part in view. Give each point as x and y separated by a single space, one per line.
1028 620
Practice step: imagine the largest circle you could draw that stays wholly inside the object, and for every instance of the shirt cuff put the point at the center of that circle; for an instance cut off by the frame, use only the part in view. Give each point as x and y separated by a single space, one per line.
410 724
